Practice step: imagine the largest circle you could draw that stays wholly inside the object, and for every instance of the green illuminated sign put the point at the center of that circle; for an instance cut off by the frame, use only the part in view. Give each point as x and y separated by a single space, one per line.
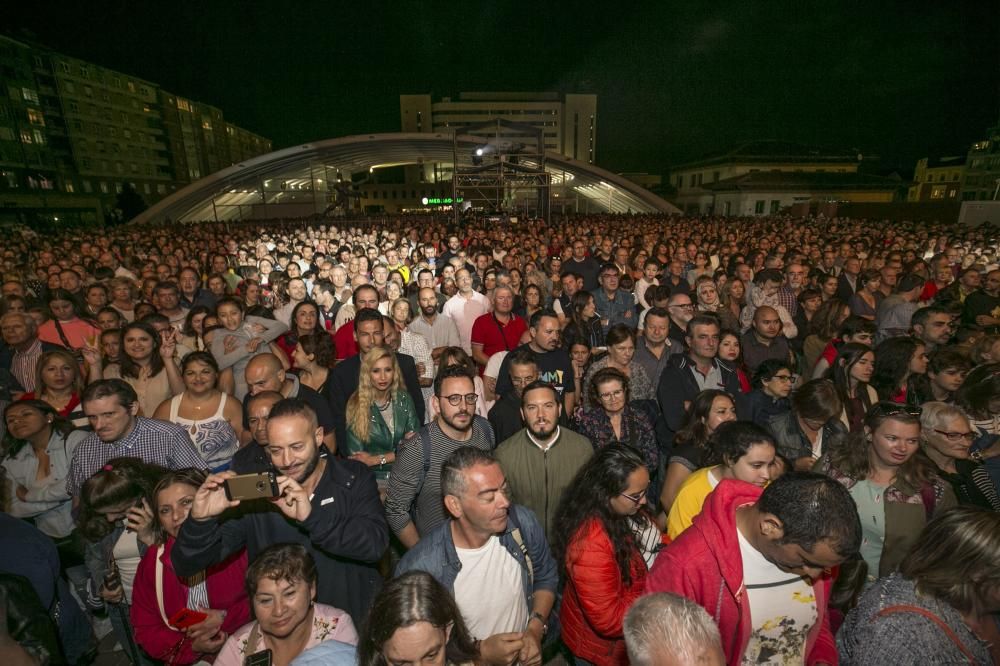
446 201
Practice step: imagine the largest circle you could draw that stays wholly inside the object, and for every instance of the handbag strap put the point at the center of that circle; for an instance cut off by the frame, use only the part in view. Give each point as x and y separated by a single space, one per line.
948 631
159 589
62 334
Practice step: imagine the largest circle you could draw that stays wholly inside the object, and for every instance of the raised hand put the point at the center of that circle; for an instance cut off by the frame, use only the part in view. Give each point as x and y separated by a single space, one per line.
210 499
292 500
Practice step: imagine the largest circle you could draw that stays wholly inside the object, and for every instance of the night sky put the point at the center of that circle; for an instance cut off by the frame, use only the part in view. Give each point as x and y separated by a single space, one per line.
675 80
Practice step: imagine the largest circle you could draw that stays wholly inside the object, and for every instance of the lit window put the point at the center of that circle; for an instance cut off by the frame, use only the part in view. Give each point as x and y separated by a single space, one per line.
26 136
104 187
29 95
39 137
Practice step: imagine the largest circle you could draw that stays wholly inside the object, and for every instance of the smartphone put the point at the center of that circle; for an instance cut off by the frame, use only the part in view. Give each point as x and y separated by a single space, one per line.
261 485
186 617
262 658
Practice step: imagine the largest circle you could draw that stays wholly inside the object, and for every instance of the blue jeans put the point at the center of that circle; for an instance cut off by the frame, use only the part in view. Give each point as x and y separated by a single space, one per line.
122 625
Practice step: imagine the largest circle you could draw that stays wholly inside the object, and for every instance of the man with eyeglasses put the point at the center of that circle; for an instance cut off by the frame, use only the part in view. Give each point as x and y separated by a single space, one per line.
614 305
681 309
542 459
413 500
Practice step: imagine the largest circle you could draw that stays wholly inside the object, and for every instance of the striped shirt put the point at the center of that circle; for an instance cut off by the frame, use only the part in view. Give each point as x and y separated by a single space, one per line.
407 481
151 440
23 364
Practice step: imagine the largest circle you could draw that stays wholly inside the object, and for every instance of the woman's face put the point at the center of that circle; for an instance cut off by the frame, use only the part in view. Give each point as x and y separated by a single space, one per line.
755 465
138 344
737 290
873 285
894 442
121 293
230 316
293 270
533 297
392 291
863 369
627 502
306 318
590 309
811 305
580 354
612 396
382 374
780 384
197 322
61 310
96 298
57 374
24 421
707 294
281 606
918 362
173 504
417 644
953 439
299 357
622 353
199 377
729 348
252 293
829 286
722 410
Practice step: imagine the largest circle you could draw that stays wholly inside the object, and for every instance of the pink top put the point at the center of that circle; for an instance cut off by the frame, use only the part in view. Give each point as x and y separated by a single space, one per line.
76 331
329 623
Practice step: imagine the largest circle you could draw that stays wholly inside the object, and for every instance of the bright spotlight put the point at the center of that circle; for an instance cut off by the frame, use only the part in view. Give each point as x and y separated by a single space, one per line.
479 152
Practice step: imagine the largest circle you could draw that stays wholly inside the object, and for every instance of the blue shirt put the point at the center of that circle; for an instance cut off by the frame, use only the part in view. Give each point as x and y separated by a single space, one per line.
618 309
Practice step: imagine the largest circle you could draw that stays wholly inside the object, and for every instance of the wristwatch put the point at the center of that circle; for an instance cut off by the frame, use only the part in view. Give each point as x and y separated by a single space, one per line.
535 615
381 460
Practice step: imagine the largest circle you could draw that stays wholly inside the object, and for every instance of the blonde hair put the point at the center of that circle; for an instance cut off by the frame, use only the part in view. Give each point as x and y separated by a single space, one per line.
360 402
70 361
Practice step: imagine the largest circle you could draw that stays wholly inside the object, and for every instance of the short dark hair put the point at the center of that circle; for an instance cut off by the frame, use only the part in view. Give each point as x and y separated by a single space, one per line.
813 508
768 275
657 311
357 290
294 407
537 316
106 388
539 384
449 372
461 459
732 440
768 369
283 561
366 314
855 324
522 357
702 320
920 317
909 282
817 400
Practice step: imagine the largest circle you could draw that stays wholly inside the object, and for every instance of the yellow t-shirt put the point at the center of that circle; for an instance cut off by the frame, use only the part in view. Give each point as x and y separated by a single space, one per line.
689 501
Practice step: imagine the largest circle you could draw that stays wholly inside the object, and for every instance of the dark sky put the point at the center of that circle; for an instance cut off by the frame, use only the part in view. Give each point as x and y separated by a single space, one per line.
675 80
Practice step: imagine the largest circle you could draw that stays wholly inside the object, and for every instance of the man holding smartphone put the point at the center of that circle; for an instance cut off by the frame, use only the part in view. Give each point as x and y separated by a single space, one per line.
330 506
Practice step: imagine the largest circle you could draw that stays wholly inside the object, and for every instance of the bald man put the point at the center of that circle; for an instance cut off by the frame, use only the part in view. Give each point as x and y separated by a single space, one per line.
252 457
264 372
764 339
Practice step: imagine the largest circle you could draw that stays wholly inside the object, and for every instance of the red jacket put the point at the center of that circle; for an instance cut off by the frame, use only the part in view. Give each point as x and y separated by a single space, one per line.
704 565
226 592
595 598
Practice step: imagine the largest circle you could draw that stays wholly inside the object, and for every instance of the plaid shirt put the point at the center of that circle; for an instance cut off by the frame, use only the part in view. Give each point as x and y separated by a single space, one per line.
151 440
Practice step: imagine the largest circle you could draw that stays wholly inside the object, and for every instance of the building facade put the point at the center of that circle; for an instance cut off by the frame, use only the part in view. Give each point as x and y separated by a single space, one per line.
937 179
981 180
74 134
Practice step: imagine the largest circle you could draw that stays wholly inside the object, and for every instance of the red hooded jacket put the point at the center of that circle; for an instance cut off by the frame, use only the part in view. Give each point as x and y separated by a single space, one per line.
704 565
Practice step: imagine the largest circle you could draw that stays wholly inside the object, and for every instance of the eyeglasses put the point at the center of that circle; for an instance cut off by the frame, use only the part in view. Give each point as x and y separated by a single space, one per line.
636 499
683 306
611 395
957 436
456 400
785 378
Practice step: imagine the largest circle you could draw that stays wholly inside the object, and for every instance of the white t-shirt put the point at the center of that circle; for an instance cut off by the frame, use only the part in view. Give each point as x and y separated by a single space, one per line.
782 610
488 590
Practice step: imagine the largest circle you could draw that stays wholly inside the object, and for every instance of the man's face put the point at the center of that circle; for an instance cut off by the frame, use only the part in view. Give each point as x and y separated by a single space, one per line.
579 250
163 272
570 285
297 290
458 417
852 266
13 289
796 275
167 299
655 329
937 330
69 281
257 415
503 302
15 331
369 334
766 323
486 500
425 280
546 335
971 280
219 265
793 558
454 244
464 280
262 378
522 375
609 280
704 341
109 419
188 281
293 445
993 282
540 409
681 309
428 302
366 299
390 335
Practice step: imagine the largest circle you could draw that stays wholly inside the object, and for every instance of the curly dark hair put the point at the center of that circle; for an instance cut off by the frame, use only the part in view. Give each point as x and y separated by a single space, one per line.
119 481
606 375
892 365
813 508
732 440
601 479
981 386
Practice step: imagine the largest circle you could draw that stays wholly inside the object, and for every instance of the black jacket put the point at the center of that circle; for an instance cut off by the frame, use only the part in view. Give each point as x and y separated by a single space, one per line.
792 442
342 382
677 386
505 416
346 534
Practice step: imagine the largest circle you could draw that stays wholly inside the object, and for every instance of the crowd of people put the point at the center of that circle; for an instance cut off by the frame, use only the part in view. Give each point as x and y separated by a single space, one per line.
618 438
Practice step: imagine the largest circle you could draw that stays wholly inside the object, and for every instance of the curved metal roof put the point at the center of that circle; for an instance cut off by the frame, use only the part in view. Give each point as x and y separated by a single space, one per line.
302 169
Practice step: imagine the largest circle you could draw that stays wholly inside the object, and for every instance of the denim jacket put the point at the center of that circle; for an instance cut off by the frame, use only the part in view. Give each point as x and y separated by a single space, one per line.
617 310
436 554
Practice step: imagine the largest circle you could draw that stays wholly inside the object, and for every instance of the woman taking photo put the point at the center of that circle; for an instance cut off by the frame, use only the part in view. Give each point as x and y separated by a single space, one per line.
613 420
737 450
606 541
313 356
414 620
242 339
147 365
710 409
940 607
40 446
852 370
897 361
304 321
295 623
379 414
159 593
58 382
946 437
621 356
895 490
213 420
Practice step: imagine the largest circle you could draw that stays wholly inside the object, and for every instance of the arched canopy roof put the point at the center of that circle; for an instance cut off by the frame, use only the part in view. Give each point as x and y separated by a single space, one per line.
300 175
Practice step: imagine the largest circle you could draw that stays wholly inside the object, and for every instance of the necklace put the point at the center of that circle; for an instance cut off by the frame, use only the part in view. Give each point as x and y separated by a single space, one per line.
382 408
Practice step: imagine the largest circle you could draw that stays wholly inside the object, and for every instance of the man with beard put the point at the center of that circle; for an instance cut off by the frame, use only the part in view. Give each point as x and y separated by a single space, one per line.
329 505
541 460
439 331
415 480
554 364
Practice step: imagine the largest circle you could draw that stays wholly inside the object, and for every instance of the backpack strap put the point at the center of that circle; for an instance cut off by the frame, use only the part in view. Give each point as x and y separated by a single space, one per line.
425 446
515 534
948 631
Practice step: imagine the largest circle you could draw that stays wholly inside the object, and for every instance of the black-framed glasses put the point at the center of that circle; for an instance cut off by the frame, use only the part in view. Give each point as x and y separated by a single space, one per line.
682 306
785 378
636 499
456 399
957 436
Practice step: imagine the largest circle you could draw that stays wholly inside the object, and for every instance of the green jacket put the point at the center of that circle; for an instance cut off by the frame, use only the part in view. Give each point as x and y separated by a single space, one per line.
380 440
539 478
